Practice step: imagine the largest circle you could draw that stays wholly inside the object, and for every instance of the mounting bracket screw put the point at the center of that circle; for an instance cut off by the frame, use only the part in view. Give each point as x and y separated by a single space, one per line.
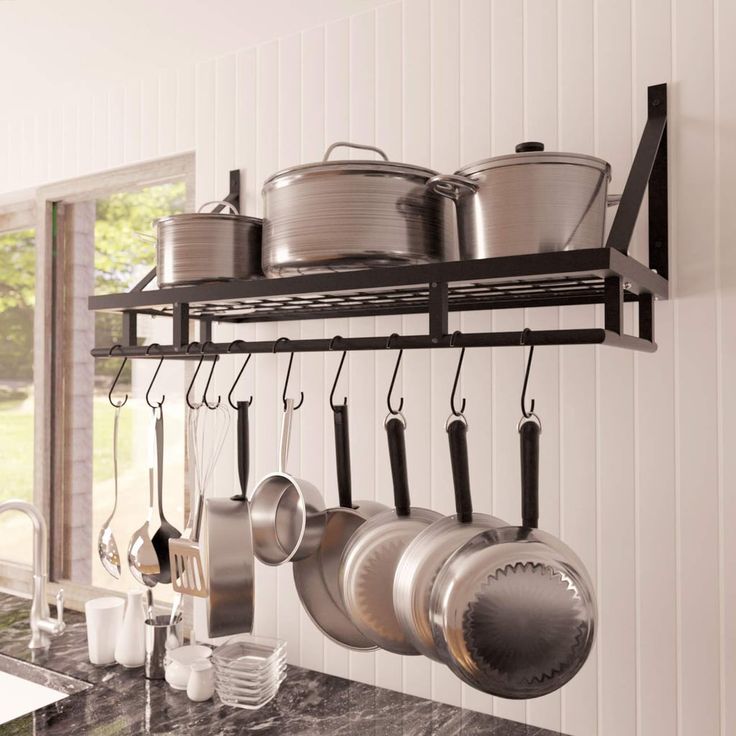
434 284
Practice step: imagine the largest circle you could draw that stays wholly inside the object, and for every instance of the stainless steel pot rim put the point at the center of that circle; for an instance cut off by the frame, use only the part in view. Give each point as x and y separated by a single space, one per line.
536 157
202 217
348 166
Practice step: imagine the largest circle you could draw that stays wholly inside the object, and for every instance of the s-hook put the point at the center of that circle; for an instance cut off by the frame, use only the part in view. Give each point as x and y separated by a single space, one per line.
209 377
288 375
455 411
393 378
117 404
337 375
526 414
237 378
194 378
150 385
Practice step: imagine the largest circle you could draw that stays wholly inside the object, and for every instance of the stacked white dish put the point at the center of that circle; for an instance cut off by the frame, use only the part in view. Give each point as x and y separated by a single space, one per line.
249 670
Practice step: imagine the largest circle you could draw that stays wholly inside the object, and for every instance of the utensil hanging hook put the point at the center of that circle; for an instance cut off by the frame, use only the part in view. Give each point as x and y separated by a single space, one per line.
117 404
288 375
522 341
337 376
194 407
237 378
393 378
209 377
455 411
150 385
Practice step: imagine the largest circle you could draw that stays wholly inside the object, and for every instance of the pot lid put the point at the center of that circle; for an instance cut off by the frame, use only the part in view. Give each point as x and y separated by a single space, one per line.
350 166
200 217
532 152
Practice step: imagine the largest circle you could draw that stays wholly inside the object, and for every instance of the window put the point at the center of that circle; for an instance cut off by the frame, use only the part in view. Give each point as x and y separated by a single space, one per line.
17 300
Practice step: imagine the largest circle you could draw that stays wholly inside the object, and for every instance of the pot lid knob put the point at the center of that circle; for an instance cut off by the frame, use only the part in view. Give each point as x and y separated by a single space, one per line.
529 146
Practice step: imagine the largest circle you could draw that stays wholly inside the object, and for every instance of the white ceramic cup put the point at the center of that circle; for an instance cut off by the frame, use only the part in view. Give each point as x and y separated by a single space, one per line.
201 685
104 621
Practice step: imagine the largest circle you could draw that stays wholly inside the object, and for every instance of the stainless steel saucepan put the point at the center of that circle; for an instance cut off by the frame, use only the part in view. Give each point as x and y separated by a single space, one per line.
317 577
370 559
287 513
513 610
425 555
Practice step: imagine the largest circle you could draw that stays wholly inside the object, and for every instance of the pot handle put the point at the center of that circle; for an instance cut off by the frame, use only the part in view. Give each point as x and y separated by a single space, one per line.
222 204
342 456
529 431
395 426
243 440
285 435
613 199
346 144
452 186
457 430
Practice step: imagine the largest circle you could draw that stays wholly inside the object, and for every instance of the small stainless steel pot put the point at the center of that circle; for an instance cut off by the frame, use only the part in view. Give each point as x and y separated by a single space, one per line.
343 215
531 201
207 246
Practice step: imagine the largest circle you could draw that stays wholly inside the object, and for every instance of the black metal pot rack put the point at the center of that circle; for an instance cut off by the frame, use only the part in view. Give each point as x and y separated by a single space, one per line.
607 276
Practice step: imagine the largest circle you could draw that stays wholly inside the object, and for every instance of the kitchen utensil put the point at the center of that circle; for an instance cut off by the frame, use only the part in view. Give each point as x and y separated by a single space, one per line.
208 246
189 577
161 635
104 619
130 648
229 544
531 201
107 548
348 214
317 576
166 531
428 551
513 610
370 559
287 513
178 663
143 561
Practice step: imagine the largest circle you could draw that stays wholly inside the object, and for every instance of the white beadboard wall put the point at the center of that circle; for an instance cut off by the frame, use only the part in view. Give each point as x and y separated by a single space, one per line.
638 465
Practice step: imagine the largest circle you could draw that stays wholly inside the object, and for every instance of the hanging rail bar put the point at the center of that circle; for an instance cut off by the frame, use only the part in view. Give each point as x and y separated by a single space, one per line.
593 336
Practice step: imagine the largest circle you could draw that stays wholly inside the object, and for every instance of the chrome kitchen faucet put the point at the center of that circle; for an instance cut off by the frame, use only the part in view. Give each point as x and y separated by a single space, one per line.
42 625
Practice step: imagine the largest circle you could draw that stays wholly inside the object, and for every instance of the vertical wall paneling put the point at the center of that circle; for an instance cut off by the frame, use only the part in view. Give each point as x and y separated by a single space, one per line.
696 394
636 468
578 364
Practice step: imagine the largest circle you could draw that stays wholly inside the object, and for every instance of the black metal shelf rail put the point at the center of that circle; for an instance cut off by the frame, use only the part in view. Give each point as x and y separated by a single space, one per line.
605 276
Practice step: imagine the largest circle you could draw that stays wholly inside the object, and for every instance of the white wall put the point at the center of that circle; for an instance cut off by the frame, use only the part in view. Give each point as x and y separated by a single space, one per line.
637 450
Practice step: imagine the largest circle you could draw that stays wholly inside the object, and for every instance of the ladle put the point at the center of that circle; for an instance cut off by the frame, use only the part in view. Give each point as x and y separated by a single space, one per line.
107 548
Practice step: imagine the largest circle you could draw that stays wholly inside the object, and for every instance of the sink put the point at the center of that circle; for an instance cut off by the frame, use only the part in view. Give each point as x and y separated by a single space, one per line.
27 687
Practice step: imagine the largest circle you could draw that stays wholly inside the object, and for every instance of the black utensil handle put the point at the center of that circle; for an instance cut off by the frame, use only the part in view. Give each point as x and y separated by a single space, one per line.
397 456
457 436
243 449
529 442
342 456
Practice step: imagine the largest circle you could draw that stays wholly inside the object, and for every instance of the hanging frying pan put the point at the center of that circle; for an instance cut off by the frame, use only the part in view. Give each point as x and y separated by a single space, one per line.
229 544
372 555
317 576
513 610
429 550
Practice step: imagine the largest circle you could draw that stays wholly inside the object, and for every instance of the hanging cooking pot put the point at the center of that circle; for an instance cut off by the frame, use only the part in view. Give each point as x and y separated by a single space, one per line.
429 550
287 513
348 214
370 559
513 610
317 576
199 247
531 201
229 544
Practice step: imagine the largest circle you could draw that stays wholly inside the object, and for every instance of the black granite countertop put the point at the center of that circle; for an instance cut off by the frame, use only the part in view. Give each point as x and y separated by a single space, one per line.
308 704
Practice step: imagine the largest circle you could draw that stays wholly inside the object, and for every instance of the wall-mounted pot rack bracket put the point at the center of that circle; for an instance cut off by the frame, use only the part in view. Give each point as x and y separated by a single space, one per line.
607 276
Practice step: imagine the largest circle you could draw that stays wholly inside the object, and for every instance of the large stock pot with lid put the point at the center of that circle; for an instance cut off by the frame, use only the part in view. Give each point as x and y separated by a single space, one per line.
339 215
531 201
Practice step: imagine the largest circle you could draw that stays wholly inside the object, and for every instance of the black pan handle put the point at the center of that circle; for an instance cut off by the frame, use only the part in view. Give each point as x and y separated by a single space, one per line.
529 432
342 456
395 426
457 431
243 449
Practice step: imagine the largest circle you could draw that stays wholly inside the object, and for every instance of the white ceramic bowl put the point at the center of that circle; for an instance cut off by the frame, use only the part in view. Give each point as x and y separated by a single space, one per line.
179 662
